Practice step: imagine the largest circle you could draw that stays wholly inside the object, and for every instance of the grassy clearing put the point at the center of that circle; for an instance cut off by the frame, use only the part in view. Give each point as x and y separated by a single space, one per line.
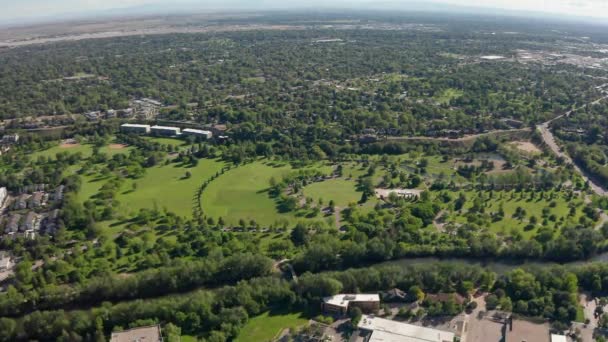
85 149
341 191
166 187
268 325
448 95
162 187
511 200
241 193
167 141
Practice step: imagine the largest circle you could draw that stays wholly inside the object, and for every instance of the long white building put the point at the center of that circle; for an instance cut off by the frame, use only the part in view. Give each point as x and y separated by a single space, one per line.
385 330
198 133
165 130
135 128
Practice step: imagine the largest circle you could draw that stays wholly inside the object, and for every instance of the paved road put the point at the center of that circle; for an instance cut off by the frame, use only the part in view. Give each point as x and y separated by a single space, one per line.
549 139
464 138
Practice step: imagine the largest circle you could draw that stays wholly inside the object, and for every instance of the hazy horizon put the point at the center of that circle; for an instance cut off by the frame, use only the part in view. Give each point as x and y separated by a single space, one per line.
31 11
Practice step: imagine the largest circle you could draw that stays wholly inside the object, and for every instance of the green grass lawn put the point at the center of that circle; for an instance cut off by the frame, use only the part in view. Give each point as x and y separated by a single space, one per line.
86 151
447 95
580 314
341 191
241 193
266 326
167 141
532 207
165 187
162 186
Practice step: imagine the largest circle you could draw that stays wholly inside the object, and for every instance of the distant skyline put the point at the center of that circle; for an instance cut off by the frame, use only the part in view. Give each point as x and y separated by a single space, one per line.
14 11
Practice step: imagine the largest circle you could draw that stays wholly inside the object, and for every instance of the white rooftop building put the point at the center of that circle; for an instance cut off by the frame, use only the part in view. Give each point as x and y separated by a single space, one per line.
135 128
341 302
384 330
165 130
3 196
5 262
558 338
198 132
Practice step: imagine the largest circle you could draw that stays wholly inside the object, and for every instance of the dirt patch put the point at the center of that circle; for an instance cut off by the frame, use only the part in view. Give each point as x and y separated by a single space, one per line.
526 146
69 143
117 146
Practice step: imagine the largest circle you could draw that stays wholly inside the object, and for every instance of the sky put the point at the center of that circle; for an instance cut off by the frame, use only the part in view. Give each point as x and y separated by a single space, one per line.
15 10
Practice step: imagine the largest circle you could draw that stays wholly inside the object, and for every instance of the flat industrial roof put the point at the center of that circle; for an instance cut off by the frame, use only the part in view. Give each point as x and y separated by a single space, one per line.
143 334
198 131
135 125
558 338
165 127
392 331
344 299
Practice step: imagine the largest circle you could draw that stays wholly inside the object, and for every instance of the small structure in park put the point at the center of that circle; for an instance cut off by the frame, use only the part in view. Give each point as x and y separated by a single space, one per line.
340 303
141 334
409 194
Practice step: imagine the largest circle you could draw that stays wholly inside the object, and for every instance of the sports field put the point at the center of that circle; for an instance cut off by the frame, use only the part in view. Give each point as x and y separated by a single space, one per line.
267 326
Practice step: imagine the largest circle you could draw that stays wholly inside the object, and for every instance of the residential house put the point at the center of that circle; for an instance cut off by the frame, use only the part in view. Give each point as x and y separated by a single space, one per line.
37 199
21 202
93 116
12 226
31 222
142 334
5 262
10 139
50 222
340 303
58 195
3 196
111 114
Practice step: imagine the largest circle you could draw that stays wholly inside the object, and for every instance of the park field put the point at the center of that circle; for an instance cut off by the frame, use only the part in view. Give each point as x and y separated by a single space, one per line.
85 149
341 191
242 193
162 187
268 326
511 200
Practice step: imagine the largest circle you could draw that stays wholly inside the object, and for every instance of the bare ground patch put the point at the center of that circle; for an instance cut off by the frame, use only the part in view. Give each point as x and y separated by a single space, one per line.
117 146
69 143
526 146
